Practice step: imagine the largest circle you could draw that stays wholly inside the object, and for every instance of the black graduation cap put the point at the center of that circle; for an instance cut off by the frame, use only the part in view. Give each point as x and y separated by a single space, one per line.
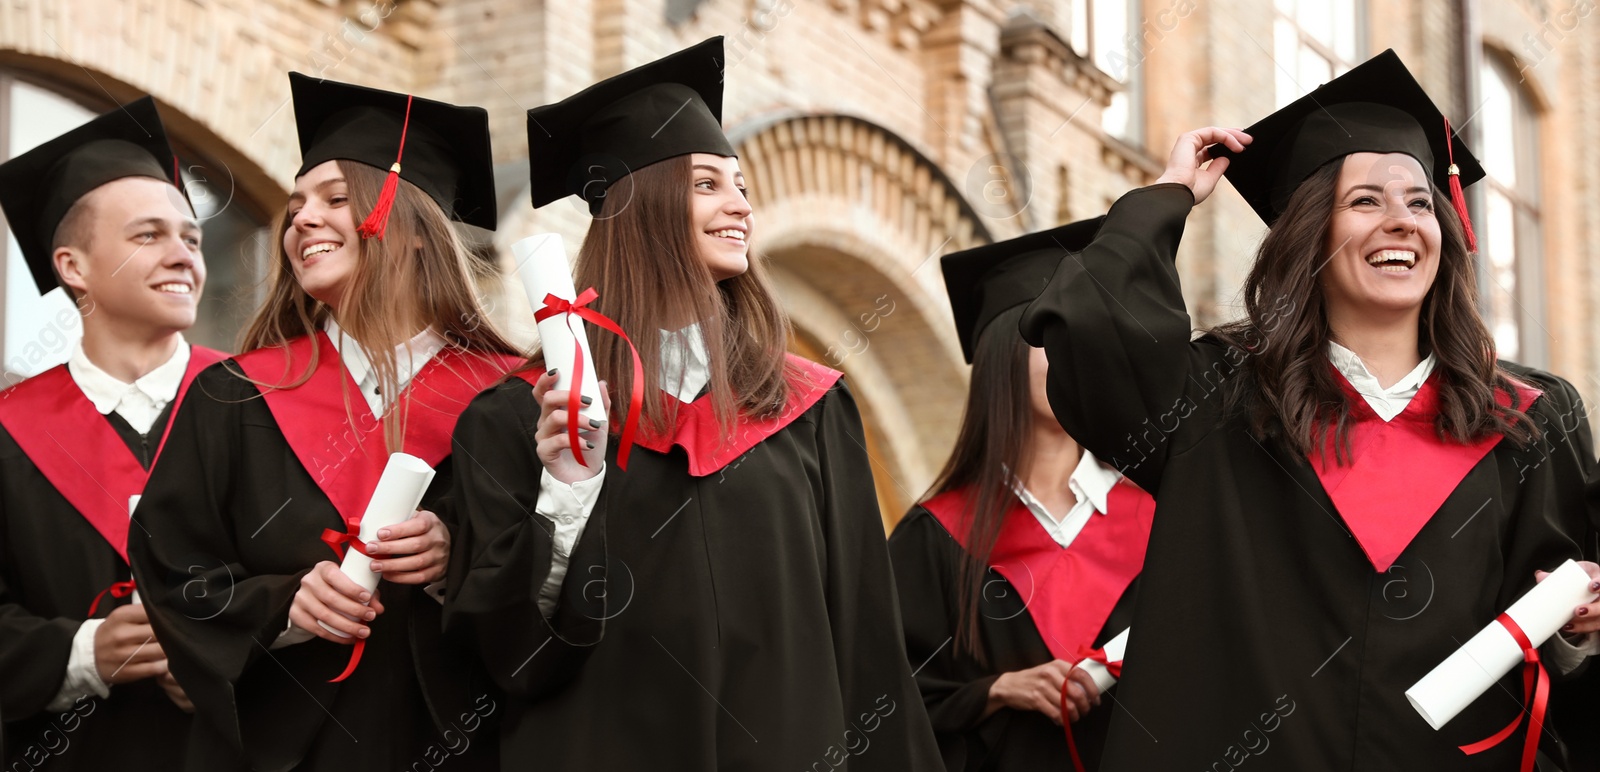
1376 107
39 186
985 281
445 149
586 142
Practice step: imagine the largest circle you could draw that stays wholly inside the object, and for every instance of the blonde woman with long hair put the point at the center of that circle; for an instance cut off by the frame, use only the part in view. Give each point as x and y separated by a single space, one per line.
371 341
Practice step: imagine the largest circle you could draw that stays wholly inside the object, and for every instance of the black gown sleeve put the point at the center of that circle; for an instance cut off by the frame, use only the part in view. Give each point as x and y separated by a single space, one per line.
214 617
34 651
1114 315
502 553
880 694
1550 521
926 578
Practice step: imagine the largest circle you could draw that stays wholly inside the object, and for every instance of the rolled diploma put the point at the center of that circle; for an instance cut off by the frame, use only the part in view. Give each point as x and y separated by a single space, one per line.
542 264
399 492
133 503
1489 655
1114 648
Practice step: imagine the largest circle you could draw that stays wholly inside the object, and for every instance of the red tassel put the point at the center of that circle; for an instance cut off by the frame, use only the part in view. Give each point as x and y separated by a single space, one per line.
1457 198
378 221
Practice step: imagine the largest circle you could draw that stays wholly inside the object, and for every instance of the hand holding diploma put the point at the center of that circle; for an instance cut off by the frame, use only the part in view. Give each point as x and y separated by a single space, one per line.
416 551
1511 639
332 606
554 440
1104 679
542 265
1585 618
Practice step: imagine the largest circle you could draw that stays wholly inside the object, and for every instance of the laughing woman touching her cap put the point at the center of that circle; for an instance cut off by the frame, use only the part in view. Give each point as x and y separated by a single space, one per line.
1351 484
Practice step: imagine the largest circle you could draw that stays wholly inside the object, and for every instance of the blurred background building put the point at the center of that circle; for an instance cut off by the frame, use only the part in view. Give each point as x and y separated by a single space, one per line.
876 135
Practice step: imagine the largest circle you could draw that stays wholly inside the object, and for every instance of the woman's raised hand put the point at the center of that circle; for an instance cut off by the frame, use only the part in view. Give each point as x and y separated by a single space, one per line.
551 435
1187 163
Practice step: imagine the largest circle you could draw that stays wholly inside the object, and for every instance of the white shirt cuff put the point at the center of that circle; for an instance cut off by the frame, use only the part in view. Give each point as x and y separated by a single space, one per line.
290 636
568 508
83 677
1567 655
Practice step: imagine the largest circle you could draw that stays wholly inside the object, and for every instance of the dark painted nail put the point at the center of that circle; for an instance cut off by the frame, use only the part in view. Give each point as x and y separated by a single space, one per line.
1594 587
590 444
1583 611
593 424
552 372
1568 626
588 400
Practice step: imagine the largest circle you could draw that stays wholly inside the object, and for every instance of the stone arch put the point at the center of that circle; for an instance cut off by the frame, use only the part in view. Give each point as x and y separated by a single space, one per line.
852 219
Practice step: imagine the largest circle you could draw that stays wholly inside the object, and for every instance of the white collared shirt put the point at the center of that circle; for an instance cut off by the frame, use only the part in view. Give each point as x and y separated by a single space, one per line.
409 359
685 363
1386 402
1091 483
139 403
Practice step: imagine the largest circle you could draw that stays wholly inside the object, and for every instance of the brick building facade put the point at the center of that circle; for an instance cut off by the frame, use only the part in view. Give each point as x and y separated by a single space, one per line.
875 134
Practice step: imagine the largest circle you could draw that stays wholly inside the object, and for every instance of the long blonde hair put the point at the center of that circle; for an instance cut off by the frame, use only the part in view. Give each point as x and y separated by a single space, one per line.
418 274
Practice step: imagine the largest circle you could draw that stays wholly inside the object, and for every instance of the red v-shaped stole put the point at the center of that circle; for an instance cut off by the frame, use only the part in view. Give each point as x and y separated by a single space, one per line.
1400 471
1069 593
346 458
78 451
696 429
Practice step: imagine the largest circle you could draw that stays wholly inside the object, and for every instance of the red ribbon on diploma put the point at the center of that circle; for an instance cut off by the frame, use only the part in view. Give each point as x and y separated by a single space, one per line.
1535 693
338 542
579 308
117 590
1115 668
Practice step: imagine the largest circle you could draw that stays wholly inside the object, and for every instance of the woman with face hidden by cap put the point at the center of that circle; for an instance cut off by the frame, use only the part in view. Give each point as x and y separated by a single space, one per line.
1024 558
371 341
1351 485
722 600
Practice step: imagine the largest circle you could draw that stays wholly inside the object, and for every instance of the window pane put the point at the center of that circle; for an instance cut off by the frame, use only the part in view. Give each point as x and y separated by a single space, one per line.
1314 69
1500 249
1345 15
1316 20
1111 53
40 331
1497 118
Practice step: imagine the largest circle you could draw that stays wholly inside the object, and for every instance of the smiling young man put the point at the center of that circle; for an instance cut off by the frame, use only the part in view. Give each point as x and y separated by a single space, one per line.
82 679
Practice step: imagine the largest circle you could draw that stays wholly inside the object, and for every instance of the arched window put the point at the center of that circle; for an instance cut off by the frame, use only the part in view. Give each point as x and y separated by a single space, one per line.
1510 237
1314 41
39 332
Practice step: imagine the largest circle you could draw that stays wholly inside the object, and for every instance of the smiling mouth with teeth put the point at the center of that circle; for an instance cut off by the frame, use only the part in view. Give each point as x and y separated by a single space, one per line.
1392 260
729 233
175 288
317 249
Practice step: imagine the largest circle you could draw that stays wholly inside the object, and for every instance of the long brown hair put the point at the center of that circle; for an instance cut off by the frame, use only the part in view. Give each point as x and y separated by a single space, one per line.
641 257
417 274
1288 389
991 448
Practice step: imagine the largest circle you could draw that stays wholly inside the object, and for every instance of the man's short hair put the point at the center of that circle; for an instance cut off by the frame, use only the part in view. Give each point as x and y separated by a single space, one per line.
76 227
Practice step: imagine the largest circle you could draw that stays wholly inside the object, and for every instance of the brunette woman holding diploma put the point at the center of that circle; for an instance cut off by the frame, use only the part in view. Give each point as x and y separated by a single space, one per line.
1351 485
723 599
1023 560
371 342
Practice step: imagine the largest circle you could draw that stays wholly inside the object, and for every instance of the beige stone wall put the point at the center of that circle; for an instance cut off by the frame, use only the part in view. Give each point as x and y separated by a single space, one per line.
878 134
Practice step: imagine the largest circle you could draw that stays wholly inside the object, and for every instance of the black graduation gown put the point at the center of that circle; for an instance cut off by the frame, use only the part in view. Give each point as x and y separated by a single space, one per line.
52 565
231 521
955 685
1265 634
742 620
